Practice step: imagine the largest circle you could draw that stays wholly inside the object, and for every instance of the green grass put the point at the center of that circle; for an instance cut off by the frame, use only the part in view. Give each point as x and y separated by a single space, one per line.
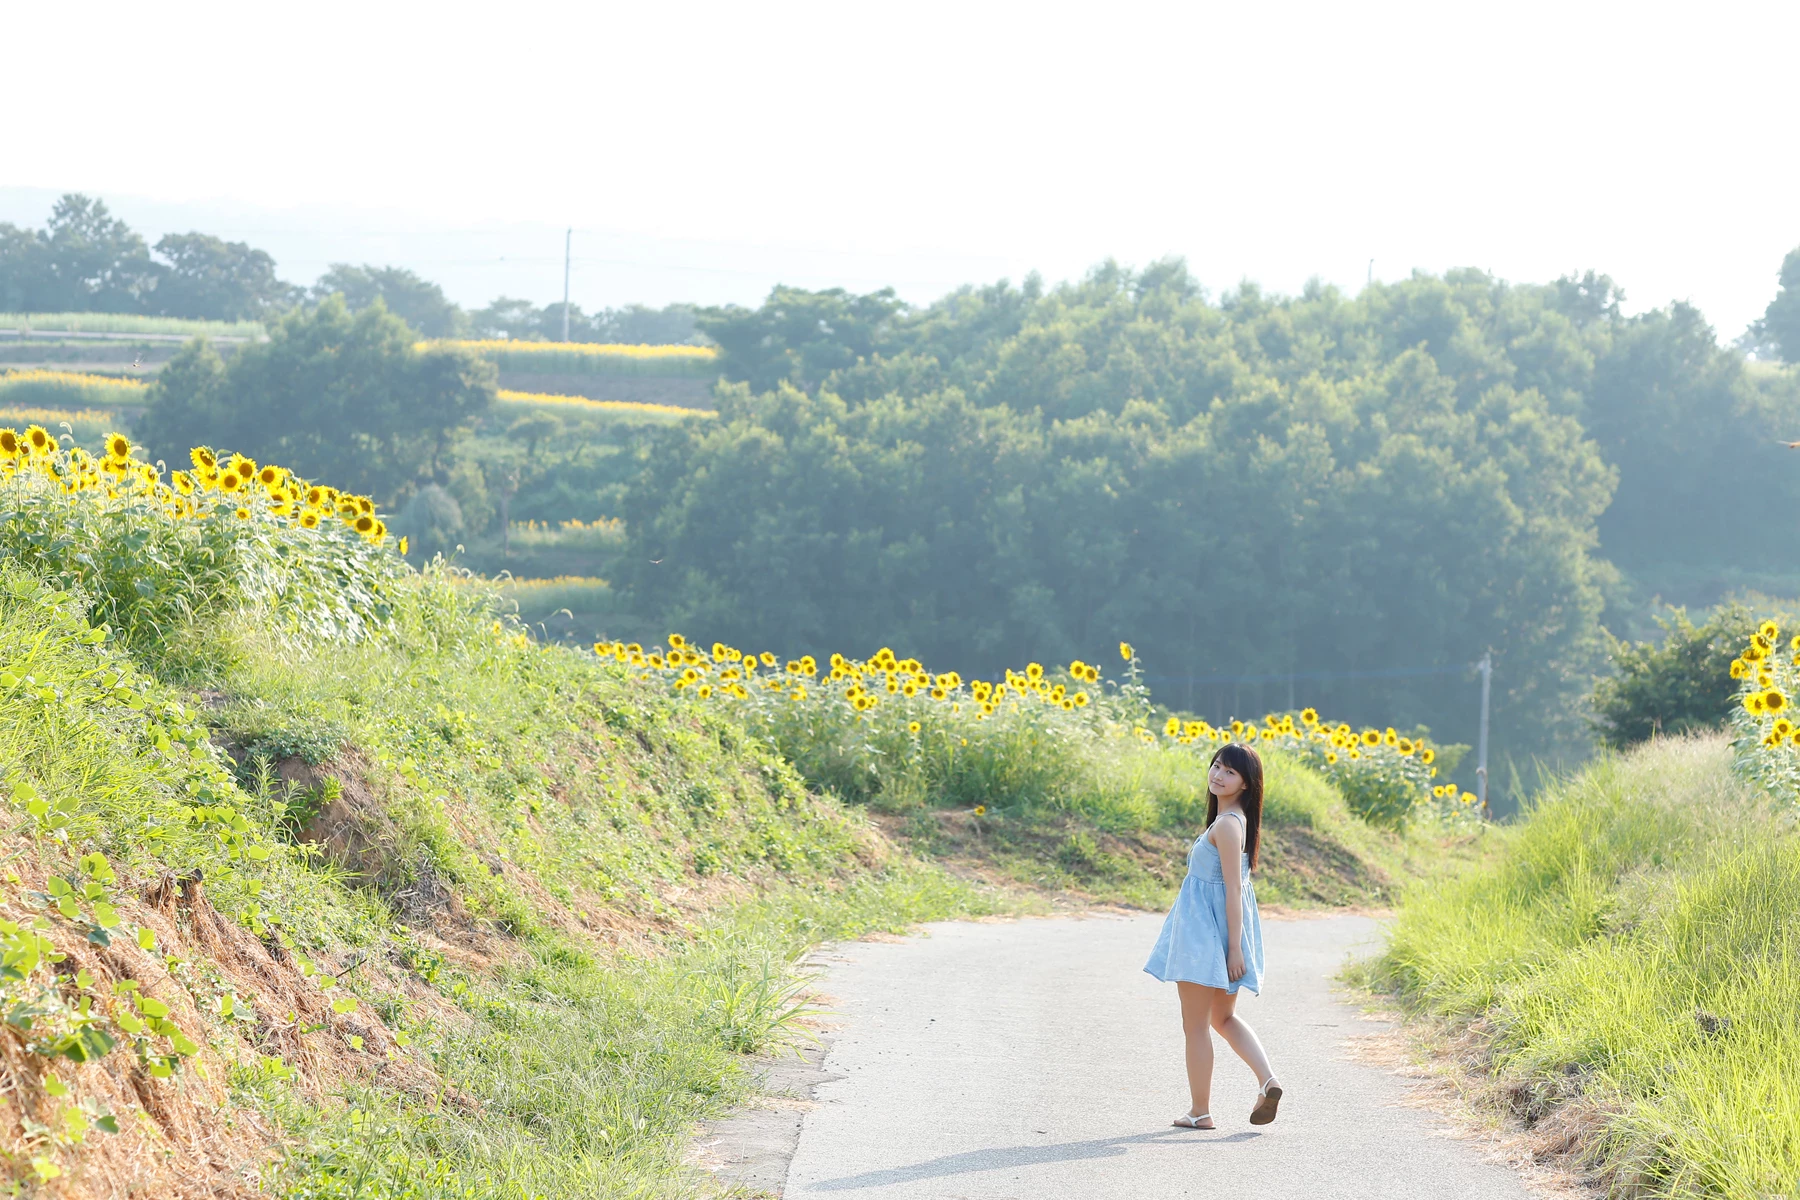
559 904
1076 799
1634 958
128 323
589 1074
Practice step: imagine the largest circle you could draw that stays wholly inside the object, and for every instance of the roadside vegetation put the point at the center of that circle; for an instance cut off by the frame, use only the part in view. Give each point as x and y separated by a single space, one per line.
326 878
1625 974
324 875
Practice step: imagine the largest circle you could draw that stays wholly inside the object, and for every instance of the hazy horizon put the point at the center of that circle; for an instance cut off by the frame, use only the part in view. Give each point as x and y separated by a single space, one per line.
710 156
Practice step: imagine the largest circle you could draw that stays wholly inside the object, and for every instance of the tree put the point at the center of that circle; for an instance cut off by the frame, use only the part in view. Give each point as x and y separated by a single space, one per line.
339 397
208 278
1780 324
1680 686
635 324
419 302
799 337
84 260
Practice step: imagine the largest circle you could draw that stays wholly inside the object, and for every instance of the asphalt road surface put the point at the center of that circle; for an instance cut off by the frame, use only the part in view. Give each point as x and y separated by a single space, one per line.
1035 1059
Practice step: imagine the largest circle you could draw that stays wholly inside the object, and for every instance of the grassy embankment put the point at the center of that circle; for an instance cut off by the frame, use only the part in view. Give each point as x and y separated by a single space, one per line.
323 879
458 914
1626 974
1065 779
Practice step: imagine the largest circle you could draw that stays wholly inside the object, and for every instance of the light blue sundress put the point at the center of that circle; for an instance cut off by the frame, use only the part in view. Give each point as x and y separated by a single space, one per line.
1192 944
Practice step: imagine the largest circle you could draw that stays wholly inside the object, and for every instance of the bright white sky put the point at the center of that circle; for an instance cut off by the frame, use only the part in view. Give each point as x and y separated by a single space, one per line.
706 151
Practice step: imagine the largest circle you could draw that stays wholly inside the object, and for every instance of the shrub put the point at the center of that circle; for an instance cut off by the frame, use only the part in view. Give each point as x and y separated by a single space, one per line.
1680 686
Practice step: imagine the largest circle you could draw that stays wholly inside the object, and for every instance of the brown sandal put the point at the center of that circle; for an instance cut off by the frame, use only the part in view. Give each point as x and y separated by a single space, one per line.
1268 1097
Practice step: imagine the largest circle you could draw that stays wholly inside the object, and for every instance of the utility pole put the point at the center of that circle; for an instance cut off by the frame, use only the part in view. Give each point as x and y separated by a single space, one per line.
568 240
1370 281
1486 667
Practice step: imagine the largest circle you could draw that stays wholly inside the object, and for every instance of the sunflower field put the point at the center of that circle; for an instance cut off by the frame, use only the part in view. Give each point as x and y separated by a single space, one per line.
617 408
150 550
69 389
863 726
1766 735
594 358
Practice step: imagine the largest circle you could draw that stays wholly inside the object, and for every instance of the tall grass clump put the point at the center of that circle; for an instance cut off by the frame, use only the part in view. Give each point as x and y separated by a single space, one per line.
1629 968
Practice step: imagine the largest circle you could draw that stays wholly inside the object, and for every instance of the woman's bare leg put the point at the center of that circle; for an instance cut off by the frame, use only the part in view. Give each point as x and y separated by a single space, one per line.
1222 1013
1196 1011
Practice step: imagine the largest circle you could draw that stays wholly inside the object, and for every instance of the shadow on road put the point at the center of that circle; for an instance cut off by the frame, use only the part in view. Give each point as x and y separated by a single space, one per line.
1001 1157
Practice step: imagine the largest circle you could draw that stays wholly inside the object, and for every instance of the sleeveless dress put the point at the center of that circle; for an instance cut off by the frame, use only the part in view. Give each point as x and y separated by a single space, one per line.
1192 944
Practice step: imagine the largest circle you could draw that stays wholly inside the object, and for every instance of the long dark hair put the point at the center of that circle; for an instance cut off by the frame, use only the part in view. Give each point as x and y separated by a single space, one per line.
1248 764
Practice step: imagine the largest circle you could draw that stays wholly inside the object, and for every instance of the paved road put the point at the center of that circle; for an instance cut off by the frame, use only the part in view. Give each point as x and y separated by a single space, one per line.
1035 1059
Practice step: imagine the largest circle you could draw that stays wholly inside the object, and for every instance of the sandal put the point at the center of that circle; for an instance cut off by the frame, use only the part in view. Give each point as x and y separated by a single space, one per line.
1267 1098
1190 1122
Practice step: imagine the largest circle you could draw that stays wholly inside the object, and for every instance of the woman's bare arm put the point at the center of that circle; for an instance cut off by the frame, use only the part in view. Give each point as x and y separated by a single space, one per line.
1228 836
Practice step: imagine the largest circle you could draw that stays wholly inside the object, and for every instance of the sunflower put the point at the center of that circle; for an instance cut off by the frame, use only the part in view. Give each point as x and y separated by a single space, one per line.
1309 716
1783 728
1739 668
1125 651
1755 704
1034 671
1774 701
203 458
231 481
38 440
364 524
309 519
1405 746
1769 630
1331 756
705 690
269 476
912 727
1426 755
118 446
243 514
1371 737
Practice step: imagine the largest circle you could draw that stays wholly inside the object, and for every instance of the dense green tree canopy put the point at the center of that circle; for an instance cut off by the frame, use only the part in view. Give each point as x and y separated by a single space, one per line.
634 324
419 302
1780 322
340 397
208 278
1679 686
83 260
1314 496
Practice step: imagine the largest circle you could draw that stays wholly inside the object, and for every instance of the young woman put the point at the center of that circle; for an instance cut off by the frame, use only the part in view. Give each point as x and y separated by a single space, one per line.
1211 943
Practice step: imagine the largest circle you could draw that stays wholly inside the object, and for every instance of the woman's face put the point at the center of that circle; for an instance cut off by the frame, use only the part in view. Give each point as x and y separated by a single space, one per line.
1224 782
